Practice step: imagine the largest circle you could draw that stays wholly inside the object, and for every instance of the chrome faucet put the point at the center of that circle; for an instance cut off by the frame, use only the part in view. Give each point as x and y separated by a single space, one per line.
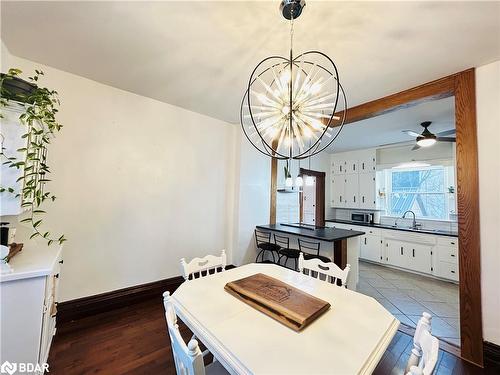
414 224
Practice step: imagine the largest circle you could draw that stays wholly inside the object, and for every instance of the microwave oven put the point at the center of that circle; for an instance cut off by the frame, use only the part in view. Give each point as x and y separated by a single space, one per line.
362 217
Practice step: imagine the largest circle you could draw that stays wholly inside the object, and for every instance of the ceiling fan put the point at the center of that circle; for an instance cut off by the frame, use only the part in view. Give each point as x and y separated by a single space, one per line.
427 138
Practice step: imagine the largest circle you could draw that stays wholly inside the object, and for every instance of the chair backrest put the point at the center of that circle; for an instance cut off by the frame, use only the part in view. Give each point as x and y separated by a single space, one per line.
424 355
188 358
262 237
326 271
307 246
203 266
282 241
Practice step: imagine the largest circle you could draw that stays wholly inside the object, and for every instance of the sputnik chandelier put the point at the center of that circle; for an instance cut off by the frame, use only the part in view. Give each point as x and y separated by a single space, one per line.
290 109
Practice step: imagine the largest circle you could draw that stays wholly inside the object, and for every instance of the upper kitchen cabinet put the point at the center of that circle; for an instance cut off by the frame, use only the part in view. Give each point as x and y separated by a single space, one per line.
353 179
367 191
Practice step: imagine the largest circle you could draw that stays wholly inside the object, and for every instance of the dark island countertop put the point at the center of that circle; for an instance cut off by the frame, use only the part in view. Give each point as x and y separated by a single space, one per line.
318 233
404 229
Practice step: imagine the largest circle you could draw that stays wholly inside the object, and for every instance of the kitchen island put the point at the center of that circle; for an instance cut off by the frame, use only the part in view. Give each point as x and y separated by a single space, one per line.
340 245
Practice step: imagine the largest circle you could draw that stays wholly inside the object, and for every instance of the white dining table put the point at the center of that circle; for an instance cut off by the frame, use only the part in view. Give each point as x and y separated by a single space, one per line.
350 338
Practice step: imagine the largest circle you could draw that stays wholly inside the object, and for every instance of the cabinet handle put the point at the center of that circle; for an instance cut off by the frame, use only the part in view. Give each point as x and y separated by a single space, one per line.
365 240
341 168
401 250
413 253
363 199
363 166
354 198
354 167
453 255
452 271
61 261
453 243
341 198
56 275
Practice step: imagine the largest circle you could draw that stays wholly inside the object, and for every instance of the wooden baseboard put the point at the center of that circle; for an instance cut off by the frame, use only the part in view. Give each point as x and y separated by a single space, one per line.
99 303
491 353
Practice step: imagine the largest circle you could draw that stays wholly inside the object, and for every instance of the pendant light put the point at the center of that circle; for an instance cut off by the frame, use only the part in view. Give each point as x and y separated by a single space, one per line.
293 101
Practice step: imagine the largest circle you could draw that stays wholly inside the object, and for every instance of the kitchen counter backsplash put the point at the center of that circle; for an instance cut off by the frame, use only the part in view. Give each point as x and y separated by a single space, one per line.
451 226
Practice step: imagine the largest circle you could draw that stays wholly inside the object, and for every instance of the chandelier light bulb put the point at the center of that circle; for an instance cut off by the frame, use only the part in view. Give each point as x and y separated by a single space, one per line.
289 182
285 76
299 181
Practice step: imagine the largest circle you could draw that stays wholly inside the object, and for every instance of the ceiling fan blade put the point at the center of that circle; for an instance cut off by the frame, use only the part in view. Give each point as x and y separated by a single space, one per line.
446 132
411 133
416 147
446 139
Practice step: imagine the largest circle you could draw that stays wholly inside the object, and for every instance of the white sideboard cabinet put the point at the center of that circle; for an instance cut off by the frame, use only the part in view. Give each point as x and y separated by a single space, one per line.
28 297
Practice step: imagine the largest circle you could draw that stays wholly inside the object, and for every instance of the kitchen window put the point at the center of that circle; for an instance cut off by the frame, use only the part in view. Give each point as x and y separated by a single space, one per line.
427 191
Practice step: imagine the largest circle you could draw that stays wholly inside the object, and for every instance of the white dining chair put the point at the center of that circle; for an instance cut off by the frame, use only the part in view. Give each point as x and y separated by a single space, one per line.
188 358
201 265
424 355
326 271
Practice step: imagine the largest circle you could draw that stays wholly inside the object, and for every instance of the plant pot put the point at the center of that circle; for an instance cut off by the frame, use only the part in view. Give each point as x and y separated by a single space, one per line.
14 88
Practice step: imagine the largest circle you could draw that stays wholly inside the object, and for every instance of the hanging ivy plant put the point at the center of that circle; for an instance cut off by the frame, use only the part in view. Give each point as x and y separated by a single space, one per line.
40 107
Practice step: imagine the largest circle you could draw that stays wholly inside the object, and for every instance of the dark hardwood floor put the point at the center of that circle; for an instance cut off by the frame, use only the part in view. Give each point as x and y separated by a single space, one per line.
133 340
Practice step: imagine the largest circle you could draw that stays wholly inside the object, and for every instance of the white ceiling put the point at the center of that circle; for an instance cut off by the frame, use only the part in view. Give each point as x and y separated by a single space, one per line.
198 55
387 129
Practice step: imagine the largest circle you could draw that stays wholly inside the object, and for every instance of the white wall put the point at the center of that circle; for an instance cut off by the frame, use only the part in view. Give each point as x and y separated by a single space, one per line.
488 123
252 198
140 184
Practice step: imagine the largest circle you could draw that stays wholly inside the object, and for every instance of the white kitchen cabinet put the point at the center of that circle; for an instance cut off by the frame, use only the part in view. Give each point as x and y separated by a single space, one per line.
446 265
367 191
337 191
395 253
420 257
351 166
446 270
338 165
423 253
371 248
367 163
409 255
28 298
351 191
359 188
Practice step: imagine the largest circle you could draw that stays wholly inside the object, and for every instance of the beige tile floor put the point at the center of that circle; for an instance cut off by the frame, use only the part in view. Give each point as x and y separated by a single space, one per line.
407 296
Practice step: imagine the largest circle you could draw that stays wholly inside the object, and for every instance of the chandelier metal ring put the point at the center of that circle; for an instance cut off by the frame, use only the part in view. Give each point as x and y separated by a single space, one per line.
308 121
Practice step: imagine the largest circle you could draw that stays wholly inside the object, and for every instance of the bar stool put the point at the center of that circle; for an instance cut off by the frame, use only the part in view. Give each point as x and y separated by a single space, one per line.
263 242
286 252
314 247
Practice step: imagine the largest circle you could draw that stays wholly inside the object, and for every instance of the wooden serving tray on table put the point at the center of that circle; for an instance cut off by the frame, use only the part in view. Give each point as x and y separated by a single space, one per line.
282 302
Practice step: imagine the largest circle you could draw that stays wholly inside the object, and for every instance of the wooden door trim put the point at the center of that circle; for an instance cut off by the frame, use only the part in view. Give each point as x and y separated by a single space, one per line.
462 86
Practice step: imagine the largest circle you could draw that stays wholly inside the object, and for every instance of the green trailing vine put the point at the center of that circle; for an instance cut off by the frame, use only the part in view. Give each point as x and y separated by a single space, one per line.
40 107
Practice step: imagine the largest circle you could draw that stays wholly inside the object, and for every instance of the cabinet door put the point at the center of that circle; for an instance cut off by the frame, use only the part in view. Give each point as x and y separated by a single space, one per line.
396 253
351 166
338 166
352 190
367 163
419 257
337 191
371 248
367 190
